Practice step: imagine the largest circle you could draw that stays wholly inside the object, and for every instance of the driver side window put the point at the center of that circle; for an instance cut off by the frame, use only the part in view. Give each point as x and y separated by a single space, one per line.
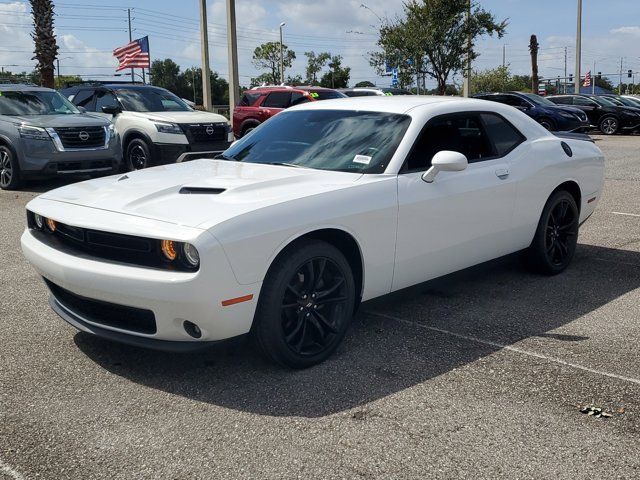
462 132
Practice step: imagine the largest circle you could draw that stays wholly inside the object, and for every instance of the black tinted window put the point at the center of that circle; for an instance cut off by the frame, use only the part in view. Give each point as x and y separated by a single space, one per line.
83 99
277 100
459 133
249 99
298 98
105 99
584 102
561 100
501 133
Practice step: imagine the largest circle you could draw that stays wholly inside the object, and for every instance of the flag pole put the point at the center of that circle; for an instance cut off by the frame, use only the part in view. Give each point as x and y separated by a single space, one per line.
130 39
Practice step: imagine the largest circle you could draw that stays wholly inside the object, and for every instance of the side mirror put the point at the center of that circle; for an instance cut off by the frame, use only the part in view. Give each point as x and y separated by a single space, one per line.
111 109
82 109
445 161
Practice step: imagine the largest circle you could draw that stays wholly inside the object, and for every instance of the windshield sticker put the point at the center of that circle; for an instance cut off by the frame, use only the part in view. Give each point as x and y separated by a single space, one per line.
363 159
314 94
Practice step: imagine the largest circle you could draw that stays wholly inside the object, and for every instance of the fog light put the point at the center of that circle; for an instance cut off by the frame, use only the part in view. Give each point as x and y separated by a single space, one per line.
192 329
51 224
168 248
39 219
191 255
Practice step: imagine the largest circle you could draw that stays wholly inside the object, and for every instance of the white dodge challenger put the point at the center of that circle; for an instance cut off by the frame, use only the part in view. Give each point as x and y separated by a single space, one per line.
323 206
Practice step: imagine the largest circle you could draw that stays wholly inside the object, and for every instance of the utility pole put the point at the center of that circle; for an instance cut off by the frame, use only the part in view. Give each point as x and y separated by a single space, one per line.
466 85
204 49
57 71
578 48
504 55
620 84
564 82
130 39
593 79
232 45
281 55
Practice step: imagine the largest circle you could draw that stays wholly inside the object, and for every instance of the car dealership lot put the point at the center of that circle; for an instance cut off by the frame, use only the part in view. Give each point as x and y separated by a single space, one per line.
479 376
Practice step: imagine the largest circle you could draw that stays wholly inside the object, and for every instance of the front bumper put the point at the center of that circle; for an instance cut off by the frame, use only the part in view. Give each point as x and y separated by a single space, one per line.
173 297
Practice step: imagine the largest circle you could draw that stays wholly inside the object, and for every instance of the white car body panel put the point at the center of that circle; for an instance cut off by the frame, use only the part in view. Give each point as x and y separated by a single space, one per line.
407 231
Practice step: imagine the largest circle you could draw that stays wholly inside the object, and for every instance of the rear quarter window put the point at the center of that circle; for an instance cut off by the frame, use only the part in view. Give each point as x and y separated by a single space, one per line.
504 136
249 99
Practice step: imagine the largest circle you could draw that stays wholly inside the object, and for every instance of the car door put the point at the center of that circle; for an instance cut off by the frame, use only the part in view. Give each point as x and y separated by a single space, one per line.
589 107
274 103
462 218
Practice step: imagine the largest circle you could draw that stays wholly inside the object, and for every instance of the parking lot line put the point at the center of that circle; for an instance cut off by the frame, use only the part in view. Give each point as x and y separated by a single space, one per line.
627 214
507 347
7 470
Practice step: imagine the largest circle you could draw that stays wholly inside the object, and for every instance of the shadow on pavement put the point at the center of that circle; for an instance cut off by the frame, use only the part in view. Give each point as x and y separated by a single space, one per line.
497 301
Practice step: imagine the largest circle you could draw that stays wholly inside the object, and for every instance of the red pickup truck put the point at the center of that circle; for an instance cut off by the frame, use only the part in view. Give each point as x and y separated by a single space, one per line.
262 103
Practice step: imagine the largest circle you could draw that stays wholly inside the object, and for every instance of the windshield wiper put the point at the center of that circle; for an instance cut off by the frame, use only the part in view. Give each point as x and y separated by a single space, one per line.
285 164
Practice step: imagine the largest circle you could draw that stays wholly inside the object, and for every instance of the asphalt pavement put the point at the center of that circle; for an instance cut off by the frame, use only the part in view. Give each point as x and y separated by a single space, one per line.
481 375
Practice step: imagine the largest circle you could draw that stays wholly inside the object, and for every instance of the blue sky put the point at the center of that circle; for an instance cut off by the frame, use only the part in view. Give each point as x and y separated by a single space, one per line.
88 30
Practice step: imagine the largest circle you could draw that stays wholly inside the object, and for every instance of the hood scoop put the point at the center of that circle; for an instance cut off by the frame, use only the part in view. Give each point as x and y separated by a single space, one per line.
201 191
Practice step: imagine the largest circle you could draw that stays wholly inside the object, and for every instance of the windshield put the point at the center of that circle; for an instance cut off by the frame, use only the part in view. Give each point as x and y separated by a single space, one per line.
631 102
395 91
151 100
36 102
538 100
326 94
616 101
602 101
341 140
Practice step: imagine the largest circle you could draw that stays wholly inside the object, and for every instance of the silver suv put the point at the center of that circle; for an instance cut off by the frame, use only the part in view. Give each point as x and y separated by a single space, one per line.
42 134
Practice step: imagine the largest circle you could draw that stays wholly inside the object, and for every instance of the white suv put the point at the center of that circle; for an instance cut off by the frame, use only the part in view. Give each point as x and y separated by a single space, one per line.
156 126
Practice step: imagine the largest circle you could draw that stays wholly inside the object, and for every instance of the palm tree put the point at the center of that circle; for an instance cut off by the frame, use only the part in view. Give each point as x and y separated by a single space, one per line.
46 48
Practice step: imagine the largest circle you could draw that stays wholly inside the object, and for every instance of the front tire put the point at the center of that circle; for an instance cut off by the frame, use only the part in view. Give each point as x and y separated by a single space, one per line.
306 305
9 169
554 243
548 124
138 154
609 125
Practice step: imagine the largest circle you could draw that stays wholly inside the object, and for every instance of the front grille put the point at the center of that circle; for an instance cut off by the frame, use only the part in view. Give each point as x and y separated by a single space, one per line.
81 137
116 247
84 165
205 132
105 313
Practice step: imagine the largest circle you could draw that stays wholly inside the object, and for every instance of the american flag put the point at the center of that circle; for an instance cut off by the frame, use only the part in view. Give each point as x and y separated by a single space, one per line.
134 54
587 80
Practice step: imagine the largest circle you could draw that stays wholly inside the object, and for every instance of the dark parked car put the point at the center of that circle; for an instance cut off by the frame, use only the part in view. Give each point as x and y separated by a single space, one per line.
607 116
548 114
42 134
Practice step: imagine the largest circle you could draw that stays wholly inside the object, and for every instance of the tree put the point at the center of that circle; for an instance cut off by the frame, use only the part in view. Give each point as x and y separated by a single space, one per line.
533 48
62 80
46 48
337 76
432 39
603 82
499 80
315 63
166 74
267 57
295 80
365 83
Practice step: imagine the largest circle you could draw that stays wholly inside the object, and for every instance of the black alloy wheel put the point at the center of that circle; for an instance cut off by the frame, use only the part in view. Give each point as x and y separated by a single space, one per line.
306 305
138 154
609 125
9 172
554 244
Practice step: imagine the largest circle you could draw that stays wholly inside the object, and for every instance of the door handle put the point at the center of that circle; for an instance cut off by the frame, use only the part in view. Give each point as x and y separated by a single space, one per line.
502 173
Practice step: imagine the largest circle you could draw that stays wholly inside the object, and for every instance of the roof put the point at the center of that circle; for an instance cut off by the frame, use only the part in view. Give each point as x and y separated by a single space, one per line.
390 104
21 87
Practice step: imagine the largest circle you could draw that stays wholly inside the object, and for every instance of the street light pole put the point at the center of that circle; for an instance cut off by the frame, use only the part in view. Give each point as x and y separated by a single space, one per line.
281 55
466 83
204 49
232 44
578 48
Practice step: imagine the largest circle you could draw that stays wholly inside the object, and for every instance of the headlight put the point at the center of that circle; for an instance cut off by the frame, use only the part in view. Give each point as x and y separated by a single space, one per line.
36 133
169 250
168 128
191 255
112 128
567 115
39 220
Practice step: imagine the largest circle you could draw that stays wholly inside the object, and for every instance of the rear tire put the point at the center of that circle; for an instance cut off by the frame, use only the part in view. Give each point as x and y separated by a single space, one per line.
554 243
138 155
247 128
548 124
9 169
306 305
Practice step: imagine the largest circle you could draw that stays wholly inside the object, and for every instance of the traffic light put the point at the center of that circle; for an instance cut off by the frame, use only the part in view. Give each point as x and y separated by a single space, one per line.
629 73
570 78
599 76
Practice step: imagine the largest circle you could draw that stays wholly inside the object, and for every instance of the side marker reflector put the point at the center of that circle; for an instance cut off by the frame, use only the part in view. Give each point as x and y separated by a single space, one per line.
591 200
233 301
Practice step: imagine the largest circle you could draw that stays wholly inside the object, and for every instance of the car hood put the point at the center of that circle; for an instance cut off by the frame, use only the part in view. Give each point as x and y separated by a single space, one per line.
562 108
200 193
70 120
181 117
